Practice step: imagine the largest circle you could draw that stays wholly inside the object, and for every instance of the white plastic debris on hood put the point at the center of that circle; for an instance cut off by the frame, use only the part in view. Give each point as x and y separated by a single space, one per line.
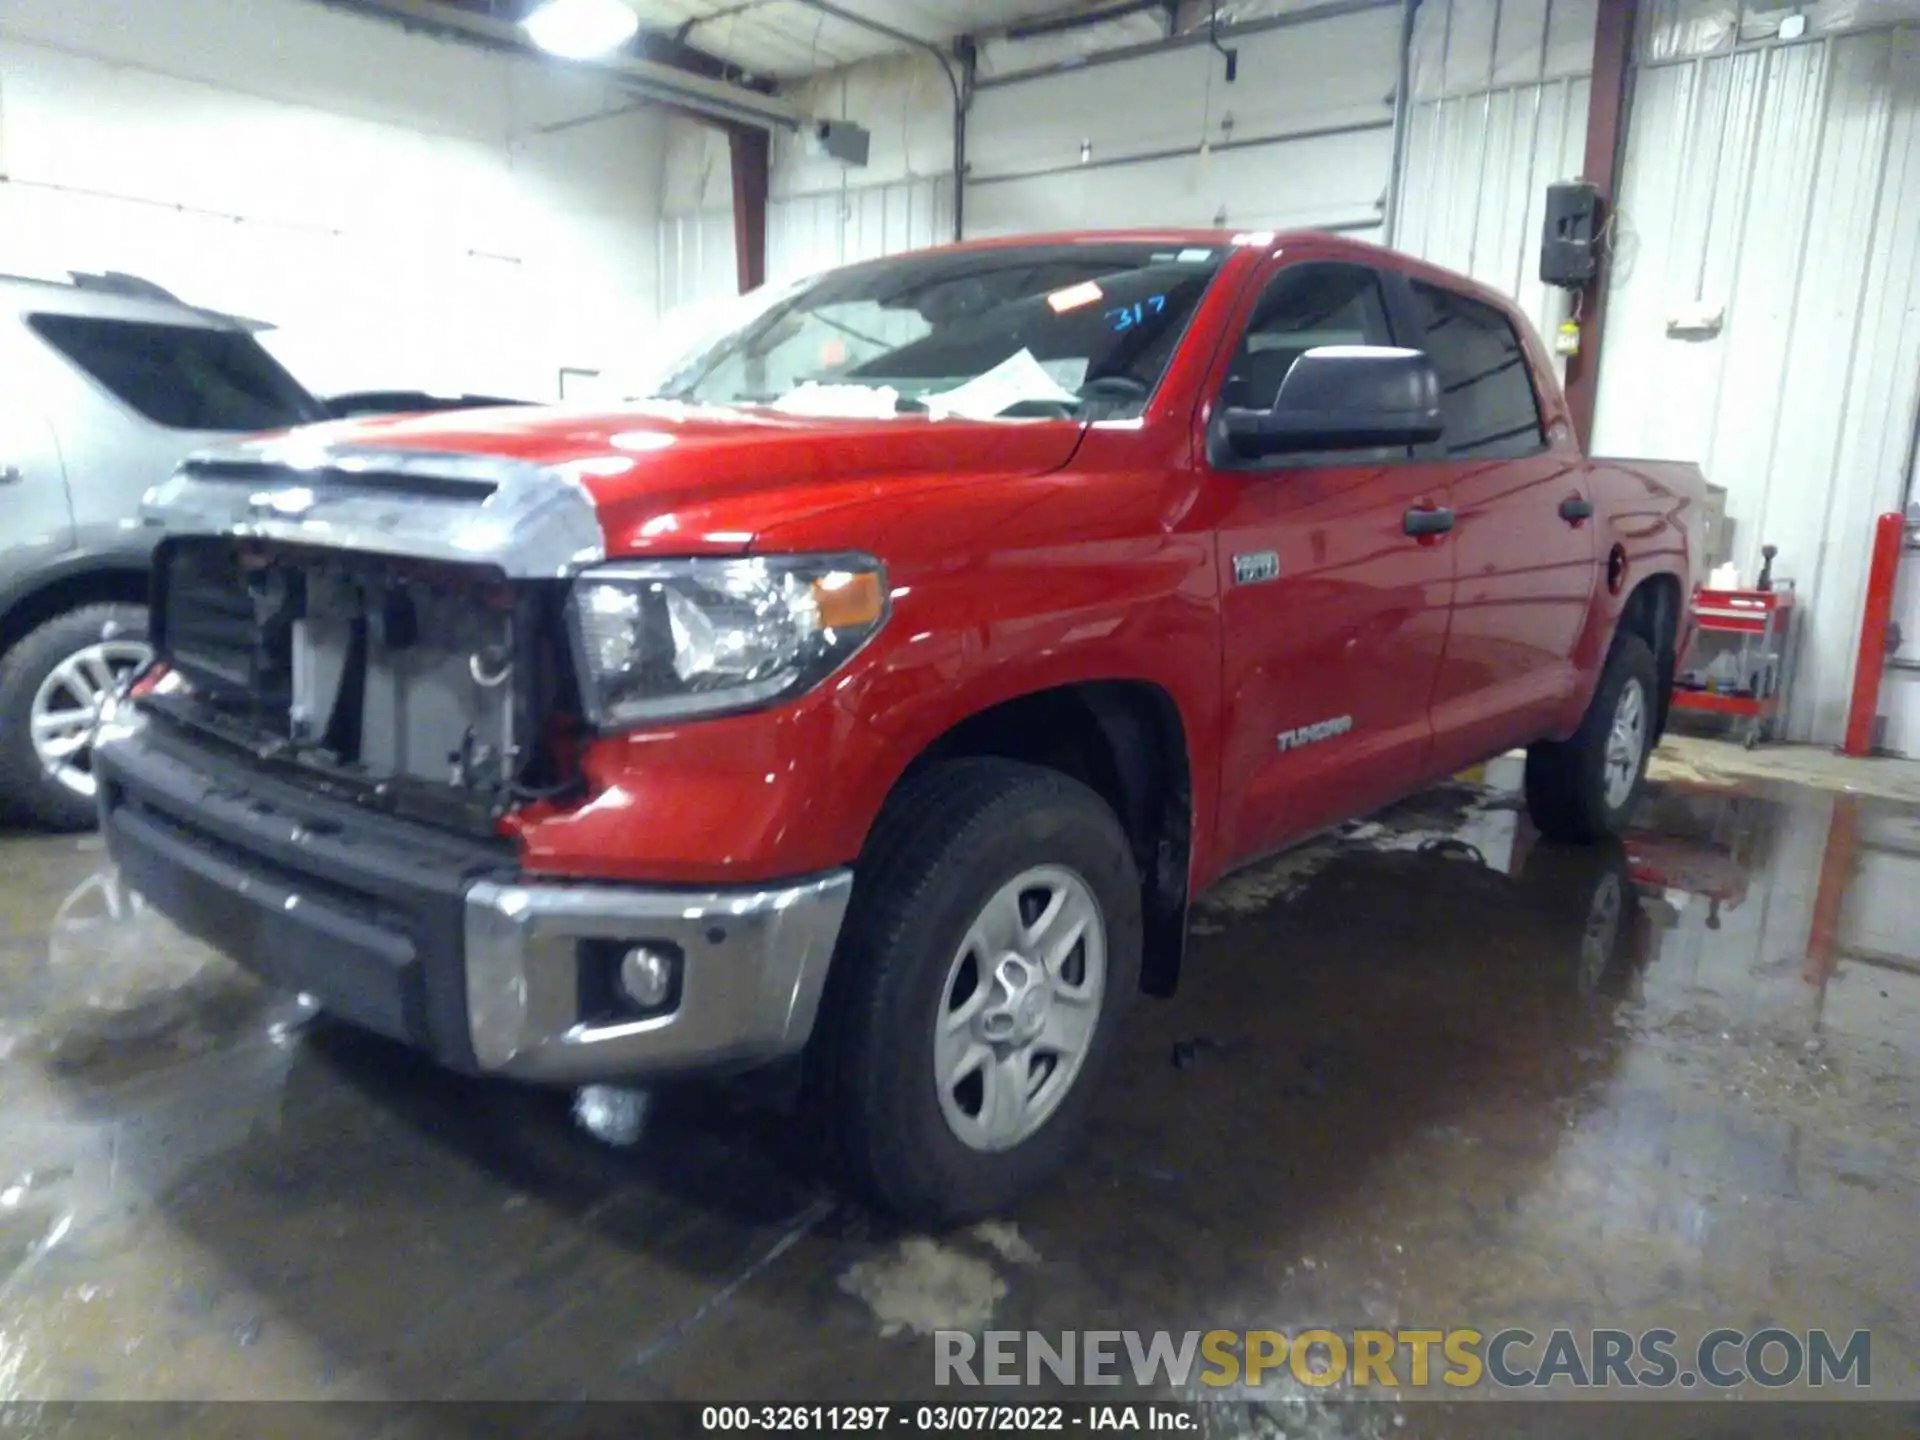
1018 379
843 402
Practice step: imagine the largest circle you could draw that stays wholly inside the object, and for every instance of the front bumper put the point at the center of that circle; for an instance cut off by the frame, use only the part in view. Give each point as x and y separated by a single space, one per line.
438 941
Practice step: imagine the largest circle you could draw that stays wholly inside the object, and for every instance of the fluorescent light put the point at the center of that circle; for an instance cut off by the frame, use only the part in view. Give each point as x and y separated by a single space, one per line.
581 29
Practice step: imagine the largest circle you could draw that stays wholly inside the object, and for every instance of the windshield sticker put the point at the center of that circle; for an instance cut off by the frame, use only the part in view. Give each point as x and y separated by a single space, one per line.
1193 257
1074 296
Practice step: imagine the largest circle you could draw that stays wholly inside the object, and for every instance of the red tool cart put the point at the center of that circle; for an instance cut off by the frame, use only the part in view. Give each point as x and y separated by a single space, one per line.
1738 667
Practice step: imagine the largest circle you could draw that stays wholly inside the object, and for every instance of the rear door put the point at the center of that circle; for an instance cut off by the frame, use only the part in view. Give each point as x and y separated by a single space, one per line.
1524 558
1334 617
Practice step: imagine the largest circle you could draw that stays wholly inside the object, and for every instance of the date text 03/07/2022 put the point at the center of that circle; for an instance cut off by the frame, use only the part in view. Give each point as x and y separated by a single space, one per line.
946 1419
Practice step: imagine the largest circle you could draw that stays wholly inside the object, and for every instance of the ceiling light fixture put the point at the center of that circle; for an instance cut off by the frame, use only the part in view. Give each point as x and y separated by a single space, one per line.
581 29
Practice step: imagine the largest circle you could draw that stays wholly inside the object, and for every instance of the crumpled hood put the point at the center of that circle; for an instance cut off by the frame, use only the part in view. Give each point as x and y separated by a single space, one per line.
672 478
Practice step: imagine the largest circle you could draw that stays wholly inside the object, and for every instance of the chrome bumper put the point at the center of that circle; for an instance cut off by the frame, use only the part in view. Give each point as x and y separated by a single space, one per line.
383 922
754 963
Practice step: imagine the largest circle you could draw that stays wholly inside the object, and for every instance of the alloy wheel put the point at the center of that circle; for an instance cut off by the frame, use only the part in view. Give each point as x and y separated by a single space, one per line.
1626 743
67 707
1019 1008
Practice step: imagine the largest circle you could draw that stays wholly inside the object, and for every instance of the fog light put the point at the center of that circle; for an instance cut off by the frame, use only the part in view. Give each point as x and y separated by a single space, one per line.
646 976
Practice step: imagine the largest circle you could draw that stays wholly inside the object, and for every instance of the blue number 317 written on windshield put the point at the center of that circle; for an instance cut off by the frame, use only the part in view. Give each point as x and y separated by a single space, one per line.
1124 317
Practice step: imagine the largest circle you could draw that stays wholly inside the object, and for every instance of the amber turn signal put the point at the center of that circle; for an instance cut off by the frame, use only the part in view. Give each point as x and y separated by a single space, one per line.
848 599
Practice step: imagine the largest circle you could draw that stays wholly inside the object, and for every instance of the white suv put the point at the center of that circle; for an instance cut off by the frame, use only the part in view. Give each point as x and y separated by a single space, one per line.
109 383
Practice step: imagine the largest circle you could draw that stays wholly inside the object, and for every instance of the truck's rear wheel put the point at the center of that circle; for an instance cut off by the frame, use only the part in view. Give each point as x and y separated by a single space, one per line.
52 685
1583 788
993 941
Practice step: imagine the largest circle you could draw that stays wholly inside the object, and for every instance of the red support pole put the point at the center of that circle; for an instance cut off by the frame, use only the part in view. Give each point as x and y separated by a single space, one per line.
1611 92
1889 534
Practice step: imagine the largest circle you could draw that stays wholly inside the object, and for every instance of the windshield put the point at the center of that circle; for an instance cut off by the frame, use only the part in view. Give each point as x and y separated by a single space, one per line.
1027 332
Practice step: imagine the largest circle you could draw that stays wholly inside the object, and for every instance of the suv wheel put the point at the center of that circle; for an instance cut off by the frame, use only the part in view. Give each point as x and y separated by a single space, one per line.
993 942
52 685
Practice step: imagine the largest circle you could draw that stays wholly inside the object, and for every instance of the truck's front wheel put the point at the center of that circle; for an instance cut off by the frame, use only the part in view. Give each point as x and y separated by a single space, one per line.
993 941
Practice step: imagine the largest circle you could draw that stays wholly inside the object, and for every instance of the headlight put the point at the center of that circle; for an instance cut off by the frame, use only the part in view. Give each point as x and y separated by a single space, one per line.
669 639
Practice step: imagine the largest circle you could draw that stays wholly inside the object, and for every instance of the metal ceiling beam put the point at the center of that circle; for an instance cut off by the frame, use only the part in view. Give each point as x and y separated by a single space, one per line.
710 99
1203 35
1082 20
906 39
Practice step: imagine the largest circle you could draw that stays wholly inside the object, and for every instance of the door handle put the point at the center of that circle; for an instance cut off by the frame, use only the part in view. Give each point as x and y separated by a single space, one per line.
1435 521
1574 509
10 475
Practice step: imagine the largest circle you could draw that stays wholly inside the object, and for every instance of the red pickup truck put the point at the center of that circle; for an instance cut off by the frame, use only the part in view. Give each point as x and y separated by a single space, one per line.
882 692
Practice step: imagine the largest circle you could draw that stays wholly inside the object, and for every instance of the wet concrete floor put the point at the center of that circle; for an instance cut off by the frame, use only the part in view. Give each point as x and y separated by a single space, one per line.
1429 1072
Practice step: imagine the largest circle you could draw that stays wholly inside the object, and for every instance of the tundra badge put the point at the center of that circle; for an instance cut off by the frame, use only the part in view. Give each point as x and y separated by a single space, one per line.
1257 568
1311 734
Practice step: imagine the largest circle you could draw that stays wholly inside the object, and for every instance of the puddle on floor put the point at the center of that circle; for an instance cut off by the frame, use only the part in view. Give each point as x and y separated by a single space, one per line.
1427 1071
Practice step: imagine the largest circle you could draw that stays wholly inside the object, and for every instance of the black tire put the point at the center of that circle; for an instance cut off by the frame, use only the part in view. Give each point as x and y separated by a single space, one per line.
946 843
1567 779
25 782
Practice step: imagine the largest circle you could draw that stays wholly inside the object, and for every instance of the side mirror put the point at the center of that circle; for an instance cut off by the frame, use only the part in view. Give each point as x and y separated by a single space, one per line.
1344 397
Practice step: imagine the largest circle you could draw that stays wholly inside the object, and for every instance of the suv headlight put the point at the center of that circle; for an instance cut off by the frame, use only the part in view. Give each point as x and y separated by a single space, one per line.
671 639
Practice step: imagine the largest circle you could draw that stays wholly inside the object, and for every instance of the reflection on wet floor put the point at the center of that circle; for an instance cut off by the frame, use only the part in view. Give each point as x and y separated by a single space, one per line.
1429 1071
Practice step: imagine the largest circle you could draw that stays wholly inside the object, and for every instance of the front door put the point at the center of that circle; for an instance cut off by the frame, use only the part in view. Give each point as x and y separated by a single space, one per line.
1335 617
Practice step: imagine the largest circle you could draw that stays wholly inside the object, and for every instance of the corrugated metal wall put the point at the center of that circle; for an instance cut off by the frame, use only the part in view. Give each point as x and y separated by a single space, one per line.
696 217
1900 689
1499 111
815 232
1781 183
696 257
805 233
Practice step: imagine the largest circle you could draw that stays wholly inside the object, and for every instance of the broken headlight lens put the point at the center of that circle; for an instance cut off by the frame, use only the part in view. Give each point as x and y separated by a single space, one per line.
674 639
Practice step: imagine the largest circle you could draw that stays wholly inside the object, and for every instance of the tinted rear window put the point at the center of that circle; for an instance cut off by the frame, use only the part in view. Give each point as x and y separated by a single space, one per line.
182 376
